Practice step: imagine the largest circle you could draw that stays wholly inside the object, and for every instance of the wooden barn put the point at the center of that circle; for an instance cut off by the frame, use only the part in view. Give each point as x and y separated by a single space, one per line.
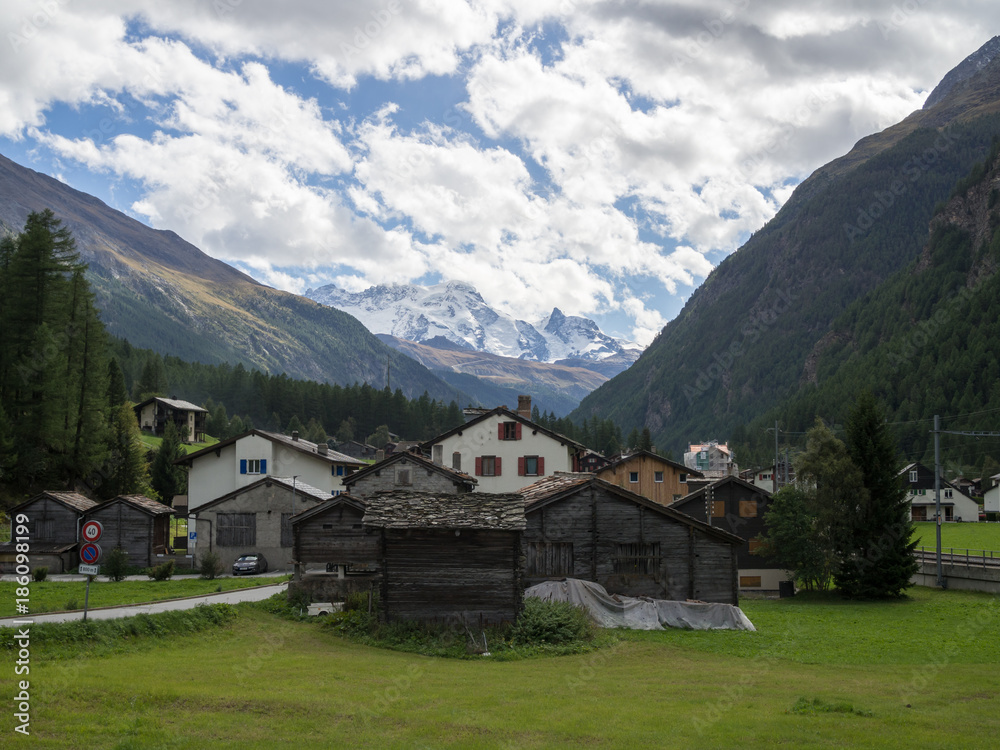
53 523
331 534
579 526
738 507
137 524
445 556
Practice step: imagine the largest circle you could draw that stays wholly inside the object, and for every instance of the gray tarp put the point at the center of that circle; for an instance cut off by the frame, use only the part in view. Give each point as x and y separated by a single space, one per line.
640 613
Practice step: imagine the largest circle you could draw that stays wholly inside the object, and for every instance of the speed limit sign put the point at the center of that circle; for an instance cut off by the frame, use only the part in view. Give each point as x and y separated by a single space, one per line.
91 531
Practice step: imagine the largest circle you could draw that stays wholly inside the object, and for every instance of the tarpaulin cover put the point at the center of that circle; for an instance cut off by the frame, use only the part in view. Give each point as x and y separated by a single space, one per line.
640 613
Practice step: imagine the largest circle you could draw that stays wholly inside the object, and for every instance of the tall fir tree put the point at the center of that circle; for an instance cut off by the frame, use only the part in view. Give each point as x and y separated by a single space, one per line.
167 479
126 471
880 559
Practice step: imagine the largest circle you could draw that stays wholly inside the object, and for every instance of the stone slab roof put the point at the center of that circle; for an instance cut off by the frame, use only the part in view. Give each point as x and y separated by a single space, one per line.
400 509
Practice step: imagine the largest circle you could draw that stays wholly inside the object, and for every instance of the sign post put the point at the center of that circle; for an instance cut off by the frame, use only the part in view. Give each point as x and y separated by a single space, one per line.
90 554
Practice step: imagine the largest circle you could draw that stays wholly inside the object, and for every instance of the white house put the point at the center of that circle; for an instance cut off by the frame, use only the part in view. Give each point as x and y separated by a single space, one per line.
505 450
240 461
991 498
955 504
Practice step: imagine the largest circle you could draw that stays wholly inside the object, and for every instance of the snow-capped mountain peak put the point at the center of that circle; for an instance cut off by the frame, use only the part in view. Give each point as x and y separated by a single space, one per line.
456 311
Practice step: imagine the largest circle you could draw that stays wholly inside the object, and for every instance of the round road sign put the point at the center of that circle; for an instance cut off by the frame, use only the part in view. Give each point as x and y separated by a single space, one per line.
90 553
91 531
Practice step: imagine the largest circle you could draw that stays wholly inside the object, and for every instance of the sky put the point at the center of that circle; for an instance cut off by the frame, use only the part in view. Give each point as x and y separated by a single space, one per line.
598 157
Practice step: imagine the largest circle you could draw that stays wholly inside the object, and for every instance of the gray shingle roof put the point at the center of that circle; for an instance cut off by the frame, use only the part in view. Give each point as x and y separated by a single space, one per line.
400 509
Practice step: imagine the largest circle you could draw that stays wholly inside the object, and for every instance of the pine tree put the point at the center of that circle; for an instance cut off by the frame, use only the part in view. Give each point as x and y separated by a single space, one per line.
153 380
126 471
880 560
166 478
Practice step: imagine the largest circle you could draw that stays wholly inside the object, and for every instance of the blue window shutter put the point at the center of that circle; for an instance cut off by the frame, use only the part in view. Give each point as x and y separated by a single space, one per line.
243 466
263 466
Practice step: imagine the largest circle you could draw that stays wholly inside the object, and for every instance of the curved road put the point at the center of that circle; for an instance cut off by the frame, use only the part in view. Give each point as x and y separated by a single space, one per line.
253 594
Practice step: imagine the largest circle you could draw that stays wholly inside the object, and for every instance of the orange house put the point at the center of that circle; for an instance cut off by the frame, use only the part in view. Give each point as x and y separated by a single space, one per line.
659 479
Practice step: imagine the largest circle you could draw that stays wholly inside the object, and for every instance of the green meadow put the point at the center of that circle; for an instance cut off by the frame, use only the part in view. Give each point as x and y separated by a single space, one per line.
819 672
976 536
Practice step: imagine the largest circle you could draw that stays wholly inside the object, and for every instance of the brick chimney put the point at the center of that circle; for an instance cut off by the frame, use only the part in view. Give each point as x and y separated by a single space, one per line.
524 406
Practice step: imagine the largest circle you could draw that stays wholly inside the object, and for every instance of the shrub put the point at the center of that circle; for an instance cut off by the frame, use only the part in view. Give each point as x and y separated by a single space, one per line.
163 571
551 622
39 574
116 568
210 565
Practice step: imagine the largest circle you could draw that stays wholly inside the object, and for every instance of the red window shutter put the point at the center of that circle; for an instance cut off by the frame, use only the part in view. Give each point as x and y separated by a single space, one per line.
479 466
500 431
541 466
520 466
497 459
517 431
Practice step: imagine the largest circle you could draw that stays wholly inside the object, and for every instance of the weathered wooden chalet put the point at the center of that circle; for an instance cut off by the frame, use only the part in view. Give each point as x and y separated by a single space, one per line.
408 471
331 534
445 556
155 413
581 526
137 524
737 507
53 524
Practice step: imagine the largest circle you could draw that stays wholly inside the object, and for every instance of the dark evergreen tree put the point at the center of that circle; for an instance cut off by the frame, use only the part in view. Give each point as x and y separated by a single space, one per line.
126 471
153 381
879 559
117 391
166 478
791 541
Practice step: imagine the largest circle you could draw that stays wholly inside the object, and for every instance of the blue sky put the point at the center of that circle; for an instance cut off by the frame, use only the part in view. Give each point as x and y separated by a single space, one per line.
598 157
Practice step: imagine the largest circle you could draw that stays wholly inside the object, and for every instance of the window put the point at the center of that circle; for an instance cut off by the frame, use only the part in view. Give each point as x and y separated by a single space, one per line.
718 509
509 431
684 478
45 529
488 466
640 558
236 529
947 494
253 466
286 530
531 466
548 558
920 513
949 513
456 461
913 475
633 477
337 471
403 477
748 508
658 476
749 582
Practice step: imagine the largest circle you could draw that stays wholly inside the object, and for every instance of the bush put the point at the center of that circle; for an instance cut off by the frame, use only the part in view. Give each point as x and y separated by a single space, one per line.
210 565
163 571
39 574
551 622
116 568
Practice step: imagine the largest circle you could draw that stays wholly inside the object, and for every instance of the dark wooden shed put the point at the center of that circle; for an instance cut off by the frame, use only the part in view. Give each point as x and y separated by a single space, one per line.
332 533
53 523
738 507
137 524
446 556
579 526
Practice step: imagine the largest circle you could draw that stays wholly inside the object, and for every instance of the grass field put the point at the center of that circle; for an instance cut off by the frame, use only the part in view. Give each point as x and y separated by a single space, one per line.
155 443
54 596
960 535
820 672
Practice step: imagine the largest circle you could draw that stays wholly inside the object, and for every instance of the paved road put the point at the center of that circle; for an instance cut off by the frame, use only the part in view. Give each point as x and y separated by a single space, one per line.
253 594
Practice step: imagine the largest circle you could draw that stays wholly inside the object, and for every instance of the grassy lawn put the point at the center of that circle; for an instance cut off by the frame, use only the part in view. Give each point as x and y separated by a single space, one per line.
155 443
819 673
54 596
960 535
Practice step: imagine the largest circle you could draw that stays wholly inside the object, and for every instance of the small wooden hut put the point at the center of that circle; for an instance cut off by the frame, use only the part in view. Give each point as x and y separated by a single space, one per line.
53 528
445 556
137 524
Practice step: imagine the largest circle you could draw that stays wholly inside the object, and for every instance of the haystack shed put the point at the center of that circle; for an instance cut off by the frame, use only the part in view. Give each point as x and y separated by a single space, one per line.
137 524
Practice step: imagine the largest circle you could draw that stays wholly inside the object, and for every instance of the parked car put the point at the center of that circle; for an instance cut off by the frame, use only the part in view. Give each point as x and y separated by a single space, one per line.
253 562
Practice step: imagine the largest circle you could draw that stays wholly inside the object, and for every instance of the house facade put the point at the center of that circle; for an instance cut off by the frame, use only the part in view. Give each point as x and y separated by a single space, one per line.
504 450
713 459
137 524
155 413
645 473
580 526
53 521
737 507
449 556
241 461
331 534
407 471
955 504
254 518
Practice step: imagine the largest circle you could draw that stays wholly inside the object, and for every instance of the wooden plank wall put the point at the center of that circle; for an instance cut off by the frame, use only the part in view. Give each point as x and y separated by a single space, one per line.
56 519
434 574
128 528
691 564
345 543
